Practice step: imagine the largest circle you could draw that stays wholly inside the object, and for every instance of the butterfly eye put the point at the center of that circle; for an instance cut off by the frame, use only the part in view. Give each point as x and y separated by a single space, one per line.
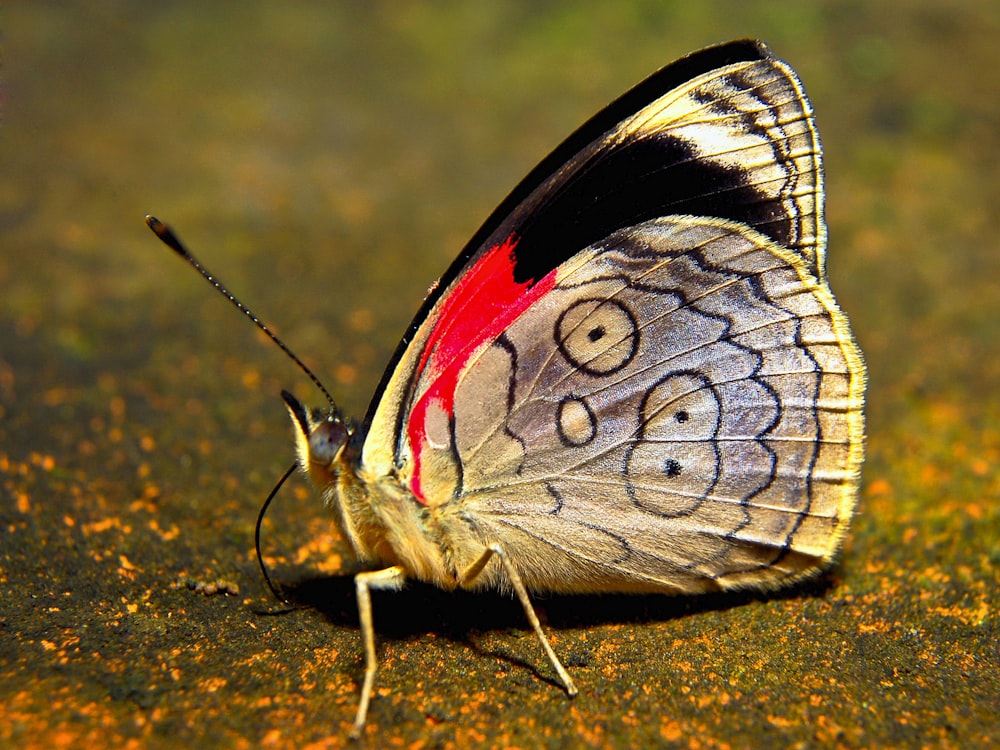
326 440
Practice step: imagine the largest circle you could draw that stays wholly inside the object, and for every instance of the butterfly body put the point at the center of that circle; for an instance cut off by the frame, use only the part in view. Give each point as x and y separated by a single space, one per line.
634 378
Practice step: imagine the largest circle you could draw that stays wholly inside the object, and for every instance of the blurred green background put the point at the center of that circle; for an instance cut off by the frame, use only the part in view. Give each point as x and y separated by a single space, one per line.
328 161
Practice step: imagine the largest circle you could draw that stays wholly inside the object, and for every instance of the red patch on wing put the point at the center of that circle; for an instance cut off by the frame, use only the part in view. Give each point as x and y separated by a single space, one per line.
484 303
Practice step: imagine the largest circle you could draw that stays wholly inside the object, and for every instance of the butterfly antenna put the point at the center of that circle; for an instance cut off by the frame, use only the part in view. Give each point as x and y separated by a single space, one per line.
256 534
169 239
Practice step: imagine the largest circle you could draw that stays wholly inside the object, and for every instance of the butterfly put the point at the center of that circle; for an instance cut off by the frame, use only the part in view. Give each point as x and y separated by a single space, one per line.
634 378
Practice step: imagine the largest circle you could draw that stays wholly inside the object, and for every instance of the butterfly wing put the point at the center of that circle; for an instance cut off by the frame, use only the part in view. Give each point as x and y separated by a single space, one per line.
681 411
725 133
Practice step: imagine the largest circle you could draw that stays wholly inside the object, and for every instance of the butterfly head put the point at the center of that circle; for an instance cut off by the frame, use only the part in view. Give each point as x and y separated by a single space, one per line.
320 439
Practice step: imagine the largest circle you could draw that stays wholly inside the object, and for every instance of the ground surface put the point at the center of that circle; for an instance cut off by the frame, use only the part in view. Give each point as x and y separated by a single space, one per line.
328 163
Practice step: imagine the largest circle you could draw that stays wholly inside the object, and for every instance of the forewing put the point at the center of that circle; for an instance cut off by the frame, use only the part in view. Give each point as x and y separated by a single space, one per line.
726 132
681 411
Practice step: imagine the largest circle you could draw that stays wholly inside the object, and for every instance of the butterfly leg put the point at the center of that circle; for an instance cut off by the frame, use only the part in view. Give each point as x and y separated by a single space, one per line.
389 579
473 572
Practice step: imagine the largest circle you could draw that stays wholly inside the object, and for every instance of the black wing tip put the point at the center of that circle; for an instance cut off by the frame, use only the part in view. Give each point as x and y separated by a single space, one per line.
726 53
699 62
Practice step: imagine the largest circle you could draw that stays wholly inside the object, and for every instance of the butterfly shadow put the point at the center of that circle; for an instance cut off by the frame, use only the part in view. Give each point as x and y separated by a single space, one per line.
467 618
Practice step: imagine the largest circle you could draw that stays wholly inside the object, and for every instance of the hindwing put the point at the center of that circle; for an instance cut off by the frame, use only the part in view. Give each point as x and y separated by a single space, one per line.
682 410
